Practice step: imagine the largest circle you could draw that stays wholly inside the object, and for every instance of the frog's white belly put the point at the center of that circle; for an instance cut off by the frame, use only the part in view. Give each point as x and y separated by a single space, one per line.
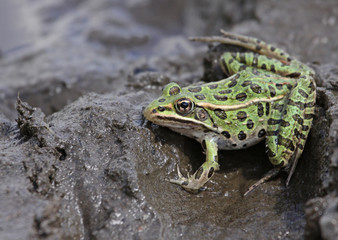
231 143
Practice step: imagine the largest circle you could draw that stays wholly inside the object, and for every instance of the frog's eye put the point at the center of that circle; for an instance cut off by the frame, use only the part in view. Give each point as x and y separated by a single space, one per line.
184 106
171 89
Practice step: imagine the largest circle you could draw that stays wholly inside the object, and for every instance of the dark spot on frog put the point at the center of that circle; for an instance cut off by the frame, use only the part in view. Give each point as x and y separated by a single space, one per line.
241 96
261 133
225 91
272 48
226 134
258 48
195 89
198 173
236 76
272 68
220 113
162 100
272 121
154 110
241 135
263 66
221 98
200 96
279 86
303 93
256 88
267 109
285 123
241 116
260 109
293 75
202 115
232 83
270 153
213 86
250 124
174 91
246 83
211 172
272 91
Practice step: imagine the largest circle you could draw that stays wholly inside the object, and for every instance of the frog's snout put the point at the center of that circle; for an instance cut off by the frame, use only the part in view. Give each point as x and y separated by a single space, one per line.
149 113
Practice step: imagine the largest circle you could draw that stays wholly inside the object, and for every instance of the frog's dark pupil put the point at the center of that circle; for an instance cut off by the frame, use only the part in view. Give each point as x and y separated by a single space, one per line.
184 104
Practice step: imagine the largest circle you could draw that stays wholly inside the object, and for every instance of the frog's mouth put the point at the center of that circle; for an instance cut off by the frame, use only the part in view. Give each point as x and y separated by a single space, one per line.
173 122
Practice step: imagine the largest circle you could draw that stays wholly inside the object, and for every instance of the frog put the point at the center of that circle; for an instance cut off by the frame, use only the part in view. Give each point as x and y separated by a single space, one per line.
267 96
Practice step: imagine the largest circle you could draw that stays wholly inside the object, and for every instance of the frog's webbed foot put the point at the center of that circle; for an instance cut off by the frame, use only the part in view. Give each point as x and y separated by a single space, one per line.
195 182
271 174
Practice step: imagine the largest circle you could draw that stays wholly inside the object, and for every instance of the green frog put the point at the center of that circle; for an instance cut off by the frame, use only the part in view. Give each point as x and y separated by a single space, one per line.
268 96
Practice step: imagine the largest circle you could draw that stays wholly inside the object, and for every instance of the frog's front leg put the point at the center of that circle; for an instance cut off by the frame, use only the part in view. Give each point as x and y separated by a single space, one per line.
195 182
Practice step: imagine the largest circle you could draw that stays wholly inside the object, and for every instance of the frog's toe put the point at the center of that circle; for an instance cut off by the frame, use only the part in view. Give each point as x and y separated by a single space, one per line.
190 184
182 181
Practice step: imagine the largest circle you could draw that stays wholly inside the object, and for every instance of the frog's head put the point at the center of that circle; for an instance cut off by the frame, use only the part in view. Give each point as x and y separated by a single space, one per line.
176 109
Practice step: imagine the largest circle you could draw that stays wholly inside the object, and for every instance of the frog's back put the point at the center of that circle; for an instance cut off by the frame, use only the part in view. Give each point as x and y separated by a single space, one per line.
238 108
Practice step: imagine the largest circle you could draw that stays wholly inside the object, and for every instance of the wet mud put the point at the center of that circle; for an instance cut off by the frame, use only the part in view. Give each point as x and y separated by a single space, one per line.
79 161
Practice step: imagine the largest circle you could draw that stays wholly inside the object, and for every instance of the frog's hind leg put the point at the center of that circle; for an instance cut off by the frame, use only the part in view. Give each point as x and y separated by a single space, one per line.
269 175
250 43
233 62
289 125
263 56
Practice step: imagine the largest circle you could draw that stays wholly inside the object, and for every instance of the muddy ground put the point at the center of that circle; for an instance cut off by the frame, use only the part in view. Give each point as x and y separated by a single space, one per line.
79 161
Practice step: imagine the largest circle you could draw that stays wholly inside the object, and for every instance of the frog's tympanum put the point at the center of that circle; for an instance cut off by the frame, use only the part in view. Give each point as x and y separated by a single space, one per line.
268 96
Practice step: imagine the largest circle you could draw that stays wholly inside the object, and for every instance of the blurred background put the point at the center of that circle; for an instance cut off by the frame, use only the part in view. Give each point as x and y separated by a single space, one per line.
52 52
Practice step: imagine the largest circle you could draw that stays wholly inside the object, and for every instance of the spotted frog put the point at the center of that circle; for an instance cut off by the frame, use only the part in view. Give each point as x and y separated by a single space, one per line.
267 96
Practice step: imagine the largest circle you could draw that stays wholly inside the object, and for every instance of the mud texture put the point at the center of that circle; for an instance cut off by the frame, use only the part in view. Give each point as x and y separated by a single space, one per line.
79 161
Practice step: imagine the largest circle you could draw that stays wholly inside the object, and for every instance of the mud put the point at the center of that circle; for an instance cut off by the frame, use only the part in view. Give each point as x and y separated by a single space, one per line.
79 161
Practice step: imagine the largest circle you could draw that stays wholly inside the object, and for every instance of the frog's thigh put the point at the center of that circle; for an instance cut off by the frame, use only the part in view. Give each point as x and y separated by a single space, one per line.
234 62
286 135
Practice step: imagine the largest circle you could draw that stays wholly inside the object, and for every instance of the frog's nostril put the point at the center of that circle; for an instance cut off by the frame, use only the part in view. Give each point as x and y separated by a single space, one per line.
161 109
